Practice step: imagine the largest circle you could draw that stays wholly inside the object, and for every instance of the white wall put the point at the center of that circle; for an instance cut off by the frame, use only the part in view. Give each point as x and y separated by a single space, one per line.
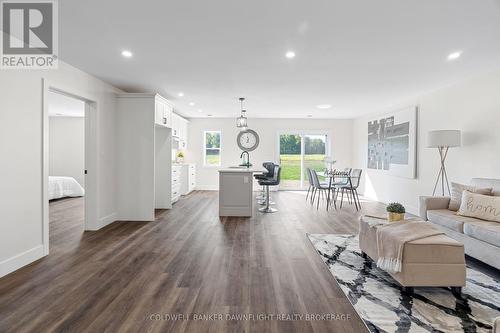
67 147
21 156
340 133
472 106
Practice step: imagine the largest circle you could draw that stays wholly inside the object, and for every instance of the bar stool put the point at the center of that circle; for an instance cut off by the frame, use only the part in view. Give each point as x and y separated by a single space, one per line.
270 182
263 201
269 166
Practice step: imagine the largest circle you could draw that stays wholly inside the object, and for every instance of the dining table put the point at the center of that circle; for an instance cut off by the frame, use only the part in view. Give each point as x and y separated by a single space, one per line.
337 179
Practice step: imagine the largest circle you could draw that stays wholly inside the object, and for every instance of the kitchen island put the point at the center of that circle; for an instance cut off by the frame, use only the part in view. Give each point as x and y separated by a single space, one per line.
236 190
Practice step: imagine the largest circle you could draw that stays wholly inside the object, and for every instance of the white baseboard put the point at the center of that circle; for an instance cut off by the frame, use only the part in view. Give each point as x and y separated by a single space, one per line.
409 208
206 188
215 188
104 221
22 259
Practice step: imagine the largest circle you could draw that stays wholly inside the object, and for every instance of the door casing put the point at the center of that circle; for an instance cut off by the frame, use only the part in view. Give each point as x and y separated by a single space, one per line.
91 156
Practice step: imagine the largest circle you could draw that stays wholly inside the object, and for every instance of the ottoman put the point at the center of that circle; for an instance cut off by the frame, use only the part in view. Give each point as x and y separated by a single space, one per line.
435 261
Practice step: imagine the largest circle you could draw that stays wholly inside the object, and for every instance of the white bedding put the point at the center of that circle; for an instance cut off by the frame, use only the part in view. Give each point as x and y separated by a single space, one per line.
60 187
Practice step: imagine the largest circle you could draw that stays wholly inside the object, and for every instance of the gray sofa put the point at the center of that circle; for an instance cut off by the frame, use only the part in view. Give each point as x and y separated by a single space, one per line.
481 239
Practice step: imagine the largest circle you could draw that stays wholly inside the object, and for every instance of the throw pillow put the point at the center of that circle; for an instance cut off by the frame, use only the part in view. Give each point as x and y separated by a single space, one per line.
456 194
480 206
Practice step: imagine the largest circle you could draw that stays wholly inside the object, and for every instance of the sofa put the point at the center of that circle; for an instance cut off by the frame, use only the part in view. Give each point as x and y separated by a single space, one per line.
481 238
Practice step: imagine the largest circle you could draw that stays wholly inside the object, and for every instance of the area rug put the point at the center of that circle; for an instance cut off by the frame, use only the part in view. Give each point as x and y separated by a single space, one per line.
385 308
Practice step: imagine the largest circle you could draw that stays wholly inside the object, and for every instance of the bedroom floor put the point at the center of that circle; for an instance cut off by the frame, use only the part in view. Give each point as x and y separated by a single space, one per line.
186 262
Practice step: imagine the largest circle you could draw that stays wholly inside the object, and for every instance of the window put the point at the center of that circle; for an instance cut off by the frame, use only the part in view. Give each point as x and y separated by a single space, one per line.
211 148
299 150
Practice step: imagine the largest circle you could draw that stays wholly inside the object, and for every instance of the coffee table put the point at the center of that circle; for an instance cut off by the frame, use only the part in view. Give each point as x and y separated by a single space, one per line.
435 261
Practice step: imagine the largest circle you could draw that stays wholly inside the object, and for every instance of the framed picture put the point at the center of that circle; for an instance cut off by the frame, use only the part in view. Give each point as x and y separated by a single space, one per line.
392 143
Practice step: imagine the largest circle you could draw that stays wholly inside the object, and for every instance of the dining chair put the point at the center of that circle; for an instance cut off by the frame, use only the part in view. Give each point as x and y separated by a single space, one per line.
319 189
311 185
341 181
351 188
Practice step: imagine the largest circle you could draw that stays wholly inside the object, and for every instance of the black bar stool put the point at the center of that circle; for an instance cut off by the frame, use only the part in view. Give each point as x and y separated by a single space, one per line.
270 182
269 166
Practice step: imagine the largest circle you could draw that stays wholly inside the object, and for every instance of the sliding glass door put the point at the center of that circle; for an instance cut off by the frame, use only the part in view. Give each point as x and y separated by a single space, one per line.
290 160
314 156
297 152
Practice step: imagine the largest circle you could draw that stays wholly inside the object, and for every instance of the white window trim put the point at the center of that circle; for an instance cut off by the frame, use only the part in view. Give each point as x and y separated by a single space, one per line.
205 165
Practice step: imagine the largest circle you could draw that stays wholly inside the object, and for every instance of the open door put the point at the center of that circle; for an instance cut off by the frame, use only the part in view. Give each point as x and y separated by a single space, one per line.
69 165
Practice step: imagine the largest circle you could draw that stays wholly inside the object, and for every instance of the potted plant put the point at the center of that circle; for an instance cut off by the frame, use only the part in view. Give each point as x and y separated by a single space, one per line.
395 212
180 157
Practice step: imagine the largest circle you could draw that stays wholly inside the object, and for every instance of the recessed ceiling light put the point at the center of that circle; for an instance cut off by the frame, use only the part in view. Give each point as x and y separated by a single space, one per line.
127 54
454 55
191 103
180 94
323 106
200 110
290 54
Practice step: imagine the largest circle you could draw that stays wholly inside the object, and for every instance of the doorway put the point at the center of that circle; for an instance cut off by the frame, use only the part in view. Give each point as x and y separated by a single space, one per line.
69 186
298 151
66 181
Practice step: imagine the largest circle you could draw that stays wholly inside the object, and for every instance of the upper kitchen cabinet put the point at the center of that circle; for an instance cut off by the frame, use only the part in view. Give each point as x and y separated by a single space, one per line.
176 123
163 112
179 130
183 133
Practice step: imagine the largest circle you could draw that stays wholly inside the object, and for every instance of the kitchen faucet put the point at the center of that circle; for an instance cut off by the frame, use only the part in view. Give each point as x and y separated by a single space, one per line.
245 162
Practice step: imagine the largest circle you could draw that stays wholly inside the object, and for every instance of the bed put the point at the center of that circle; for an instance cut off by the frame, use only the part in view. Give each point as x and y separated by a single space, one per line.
61 187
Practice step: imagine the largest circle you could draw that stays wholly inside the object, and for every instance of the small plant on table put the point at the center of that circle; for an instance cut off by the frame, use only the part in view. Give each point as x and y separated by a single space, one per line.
396 211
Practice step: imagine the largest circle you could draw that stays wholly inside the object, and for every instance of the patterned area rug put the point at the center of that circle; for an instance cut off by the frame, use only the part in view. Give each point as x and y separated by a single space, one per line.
385 308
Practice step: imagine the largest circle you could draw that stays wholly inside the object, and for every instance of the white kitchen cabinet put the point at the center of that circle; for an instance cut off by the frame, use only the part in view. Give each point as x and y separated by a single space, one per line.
188 178
163 112
183 133
176 182
176 124
179 131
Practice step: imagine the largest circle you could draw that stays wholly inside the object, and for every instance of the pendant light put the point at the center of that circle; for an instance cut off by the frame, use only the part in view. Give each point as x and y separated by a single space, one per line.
241 121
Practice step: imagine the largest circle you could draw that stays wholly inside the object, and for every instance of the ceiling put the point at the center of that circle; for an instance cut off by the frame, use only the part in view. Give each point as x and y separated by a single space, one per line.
64 106
358 56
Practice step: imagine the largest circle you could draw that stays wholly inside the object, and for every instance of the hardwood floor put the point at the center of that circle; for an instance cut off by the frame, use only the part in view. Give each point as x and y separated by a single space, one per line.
186 262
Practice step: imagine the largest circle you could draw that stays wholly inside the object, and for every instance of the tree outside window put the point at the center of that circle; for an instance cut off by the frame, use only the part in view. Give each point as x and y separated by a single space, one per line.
212 148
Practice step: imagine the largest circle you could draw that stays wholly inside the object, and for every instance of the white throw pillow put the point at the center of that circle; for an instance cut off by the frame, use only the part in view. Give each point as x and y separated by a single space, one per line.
457 190
480 206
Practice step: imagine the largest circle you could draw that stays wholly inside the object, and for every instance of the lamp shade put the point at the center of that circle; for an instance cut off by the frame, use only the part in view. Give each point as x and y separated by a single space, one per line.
241 121
443 138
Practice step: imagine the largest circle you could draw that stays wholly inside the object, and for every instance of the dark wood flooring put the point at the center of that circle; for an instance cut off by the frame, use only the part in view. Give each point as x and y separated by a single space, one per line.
131 276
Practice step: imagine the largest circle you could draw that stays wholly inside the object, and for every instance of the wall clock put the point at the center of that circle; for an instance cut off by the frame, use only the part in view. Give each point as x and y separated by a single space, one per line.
248 140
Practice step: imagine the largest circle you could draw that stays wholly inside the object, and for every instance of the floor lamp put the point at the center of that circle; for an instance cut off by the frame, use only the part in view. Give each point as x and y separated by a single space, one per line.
443 140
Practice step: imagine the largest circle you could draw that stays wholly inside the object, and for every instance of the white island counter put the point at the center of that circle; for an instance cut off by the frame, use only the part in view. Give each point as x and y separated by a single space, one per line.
236 190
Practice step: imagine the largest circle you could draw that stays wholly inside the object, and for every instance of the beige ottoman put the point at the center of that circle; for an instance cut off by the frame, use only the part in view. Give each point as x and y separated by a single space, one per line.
436 261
